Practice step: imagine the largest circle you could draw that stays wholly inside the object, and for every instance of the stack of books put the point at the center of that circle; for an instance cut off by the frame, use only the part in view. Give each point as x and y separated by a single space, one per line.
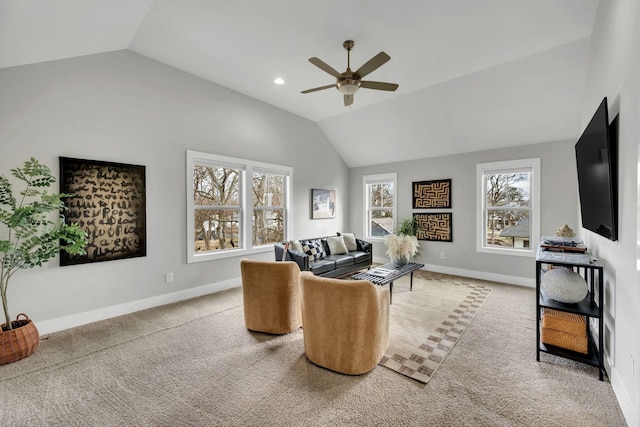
563 244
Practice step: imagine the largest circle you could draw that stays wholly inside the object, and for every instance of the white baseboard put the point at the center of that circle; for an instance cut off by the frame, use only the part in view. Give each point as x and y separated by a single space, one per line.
71 321
625 401
473 274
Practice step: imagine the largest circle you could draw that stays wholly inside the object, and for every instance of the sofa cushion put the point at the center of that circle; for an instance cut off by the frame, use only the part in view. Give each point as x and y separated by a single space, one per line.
322 266
313 248
360 256
341 260
296 245
337 245
350 241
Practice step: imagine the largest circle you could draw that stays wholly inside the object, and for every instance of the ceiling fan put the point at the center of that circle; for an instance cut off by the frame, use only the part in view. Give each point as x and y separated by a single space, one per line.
349 82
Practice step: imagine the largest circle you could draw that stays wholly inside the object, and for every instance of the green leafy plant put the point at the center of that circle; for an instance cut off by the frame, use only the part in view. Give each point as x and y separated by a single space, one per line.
29 237
408 227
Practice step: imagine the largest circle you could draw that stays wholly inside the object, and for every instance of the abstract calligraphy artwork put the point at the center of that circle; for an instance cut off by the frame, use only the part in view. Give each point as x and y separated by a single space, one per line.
432 194
109 203
434 226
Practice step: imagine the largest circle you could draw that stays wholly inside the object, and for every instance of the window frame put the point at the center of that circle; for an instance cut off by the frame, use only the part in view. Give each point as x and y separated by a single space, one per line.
391 177
246 169
509 166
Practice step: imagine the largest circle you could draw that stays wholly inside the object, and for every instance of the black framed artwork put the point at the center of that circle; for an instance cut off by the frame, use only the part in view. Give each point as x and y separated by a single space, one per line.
109 203
435 194
436 227
323 203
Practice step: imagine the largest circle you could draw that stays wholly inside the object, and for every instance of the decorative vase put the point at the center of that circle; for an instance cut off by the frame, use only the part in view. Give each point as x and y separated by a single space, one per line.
19 342
402 260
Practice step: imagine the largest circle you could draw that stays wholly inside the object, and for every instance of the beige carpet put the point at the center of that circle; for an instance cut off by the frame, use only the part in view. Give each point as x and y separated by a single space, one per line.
194 364
426 322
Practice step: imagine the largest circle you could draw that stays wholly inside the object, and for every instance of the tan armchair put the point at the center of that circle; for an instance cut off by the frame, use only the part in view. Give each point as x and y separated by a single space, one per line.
271 296
345 323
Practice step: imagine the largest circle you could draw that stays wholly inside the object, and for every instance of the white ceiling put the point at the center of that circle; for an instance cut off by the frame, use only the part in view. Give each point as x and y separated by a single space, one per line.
473 74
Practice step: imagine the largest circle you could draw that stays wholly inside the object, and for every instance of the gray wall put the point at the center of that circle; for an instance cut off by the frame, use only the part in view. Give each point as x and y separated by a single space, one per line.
558 206
614 72
123 107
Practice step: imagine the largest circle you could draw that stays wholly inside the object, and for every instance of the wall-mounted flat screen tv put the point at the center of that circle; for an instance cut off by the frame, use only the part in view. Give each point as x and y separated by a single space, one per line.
596 157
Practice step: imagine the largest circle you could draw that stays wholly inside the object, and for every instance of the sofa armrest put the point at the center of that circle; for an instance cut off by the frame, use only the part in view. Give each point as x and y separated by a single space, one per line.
300 258
364 246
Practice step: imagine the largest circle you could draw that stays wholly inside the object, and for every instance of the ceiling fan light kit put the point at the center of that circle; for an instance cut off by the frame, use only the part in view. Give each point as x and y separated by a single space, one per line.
348 86
349 82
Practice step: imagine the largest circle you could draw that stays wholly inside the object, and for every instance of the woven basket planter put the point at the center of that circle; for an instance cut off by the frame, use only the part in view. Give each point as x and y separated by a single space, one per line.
19 342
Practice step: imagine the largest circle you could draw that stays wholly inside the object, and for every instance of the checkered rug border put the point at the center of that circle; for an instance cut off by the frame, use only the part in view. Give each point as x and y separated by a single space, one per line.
421 362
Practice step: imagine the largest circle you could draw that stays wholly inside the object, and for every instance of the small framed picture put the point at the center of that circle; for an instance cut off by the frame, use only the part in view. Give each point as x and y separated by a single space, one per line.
323 204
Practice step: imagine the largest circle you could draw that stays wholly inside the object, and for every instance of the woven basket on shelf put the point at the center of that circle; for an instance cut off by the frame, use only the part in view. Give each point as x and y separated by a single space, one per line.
565 330
19 342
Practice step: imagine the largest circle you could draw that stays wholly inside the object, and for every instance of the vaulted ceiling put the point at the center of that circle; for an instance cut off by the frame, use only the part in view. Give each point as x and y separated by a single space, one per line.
472 74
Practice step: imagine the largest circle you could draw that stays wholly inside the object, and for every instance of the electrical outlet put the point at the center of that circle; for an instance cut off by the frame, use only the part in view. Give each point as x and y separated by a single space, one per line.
441 255
168 278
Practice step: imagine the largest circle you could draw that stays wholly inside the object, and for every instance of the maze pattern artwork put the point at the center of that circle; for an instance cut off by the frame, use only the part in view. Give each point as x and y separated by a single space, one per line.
434 226
432 194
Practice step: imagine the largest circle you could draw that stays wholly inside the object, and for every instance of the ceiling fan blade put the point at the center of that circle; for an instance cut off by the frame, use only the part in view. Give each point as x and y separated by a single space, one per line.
318 88
325 67
372 64
379 85
348 100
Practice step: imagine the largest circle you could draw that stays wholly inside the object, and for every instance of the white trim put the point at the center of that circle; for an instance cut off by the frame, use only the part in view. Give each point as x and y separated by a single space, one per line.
483 275
246 167
71 321
625 401
473 274
534 197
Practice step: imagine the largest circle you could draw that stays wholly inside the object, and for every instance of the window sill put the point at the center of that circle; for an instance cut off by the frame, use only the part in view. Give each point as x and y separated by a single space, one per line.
229 254
510 252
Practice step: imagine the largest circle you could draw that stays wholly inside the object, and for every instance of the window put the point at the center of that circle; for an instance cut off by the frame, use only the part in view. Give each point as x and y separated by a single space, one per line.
508 206
380 204
235 206
269 209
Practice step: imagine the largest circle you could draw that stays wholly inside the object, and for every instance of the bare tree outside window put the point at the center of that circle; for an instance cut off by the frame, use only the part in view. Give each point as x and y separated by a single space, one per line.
216 208
507 208
268 208
380 207
236 207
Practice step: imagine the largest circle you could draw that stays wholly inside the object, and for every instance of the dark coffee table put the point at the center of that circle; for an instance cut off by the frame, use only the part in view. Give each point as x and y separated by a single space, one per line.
395 274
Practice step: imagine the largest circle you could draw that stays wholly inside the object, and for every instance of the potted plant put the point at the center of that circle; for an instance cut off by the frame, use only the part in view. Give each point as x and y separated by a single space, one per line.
403 245
29 238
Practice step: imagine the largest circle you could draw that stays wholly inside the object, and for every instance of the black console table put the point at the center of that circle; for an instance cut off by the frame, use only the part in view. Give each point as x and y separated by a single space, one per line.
396 273
592 271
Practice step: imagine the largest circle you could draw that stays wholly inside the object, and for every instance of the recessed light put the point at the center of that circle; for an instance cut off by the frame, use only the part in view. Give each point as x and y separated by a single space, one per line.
279 81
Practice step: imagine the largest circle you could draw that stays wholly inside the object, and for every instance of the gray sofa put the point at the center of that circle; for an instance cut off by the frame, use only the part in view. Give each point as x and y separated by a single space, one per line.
315 255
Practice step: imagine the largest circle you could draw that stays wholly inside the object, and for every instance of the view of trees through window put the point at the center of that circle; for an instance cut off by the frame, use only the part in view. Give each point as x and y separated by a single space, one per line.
268 208
216 198
380 207
507 209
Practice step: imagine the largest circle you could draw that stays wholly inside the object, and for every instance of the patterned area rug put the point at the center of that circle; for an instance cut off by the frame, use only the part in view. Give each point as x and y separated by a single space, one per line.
426 323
